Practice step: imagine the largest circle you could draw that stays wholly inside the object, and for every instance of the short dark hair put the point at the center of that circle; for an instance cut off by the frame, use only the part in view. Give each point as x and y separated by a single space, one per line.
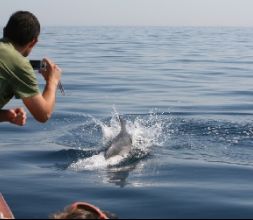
22 28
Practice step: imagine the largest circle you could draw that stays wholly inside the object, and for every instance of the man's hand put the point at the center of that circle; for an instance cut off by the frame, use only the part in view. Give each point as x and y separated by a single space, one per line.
16 116
52 73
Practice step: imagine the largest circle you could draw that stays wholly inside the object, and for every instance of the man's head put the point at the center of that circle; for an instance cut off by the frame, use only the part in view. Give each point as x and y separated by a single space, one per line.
23 30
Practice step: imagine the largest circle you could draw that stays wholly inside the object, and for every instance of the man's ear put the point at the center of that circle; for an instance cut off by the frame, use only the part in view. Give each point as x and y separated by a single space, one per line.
32 43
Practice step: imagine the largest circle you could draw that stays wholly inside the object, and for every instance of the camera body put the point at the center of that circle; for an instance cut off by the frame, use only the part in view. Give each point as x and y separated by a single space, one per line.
38 64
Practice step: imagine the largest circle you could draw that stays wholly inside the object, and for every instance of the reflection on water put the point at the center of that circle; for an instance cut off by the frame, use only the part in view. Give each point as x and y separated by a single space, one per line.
119 176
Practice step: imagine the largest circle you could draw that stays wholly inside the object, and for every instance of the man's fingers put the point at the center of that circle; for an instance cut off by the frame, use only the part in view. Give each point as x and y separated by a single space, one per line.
48 62
20 120
20 112
18 116
12 114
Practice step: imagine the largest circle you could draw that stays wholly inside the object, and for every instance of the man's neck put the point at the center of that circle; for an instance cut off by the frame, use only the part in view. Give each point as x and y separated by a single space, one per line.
21 50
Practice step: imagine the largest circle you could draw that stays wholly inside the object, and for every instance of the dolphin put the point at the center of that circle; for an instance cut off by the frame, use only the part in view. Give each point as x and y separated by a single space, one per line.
121 144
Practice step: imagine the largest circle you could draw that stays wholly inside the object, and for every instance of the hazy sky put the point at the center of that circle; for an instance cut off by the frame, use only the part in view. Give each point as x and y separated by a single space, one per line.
135 12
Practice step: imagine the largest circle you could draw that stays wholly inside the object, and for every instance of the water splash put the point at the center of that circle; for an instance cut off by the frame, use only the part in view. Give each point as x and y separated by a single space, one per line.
95 162
146 133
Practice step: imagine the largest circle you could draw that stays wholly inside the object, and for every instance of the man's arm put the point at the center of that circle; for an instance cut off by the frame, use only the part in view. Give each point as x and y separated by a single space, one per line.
4 116
42 106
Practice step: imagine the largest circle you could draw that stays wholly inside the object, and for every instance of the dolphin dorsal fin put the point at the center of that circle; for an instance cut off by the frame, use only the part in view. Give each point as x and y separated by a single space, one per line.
122 124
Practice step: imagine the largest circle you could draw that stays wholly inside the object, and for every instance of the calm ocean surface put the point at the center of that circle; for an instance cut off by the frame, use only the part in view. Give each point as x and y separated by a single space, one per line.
187 97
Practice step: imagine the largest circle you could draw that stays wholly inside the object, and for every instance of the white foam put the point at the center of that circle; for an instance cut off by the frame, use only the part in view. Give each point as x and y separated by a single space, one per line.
96 162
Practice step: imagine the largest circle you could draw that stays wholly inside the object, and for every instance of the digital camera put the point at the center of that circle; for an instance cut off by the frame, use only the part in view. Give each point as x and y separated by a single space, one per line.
38 64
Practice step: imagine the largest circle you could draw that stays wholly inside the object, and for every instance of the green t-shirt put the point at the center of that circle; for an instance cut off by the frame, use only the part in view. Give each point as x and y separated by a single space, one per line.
17 77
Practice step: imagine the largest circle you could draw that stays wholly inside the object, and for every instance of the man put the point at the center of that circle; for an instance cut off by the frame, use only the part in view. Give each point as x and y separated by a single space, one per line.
17 77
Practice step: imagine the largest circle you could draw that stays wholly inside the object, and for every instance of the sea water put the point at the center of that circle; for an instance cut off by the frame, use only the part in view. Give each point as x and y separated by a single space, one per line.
186 96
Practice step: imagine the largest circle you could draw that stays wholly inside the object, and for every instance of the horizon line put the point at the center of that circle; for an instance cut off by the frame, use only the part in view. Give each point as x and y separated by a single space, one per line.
152 26
143 25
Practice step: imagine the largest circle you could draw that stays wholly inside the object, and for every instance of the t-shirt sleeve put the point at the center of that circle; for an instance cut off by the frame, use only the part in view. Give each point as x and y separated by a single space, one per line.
24 81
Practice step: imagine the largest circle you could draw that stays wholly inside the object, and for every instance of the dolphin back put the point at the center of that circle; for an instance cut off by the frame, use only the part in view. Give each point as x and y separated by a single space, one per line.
121 144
